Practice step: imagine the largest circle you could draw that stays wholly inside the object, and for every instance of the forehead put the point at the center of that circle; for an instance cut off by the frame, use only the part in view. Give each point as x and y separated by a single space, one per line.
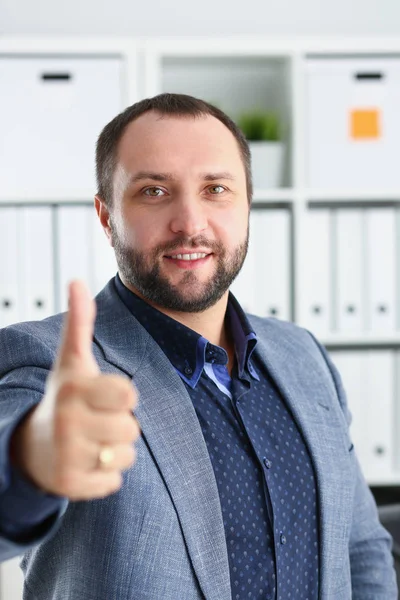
173 143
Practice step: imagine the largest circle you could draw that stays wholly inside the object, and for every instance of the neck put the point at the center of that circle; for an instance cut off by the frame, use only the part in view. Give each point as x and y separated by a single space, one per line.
209 323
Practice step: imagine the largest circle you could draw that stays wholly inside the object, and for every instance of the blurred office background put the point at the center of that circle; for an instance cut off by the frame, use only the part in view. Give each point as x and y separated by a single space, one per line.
316 87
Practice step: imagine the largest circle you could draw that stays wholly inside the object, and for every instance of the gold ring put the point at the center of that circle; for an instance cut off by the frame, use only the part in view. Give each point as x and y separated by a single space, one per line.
106 457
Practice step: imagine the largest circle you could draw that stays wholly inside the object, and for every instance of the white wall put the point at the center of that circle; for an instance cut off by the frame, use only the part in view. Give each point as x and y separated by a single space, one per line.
208 17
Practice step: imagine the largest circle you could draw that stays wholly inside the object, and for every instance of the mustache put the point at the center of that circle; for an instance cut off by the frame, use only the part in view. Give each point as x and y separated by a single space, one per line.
190 243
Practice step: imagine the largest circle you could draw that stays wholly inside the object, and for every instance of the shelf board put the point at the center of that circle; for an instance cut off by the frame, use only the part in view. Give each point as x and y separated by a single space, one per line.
325 195
47 198
346 195
389 480
273 195
360 340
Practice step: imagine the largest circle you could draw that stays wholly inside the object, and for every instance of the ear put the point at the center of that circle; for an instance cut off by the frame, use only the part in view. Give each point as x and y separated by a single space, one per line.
104 217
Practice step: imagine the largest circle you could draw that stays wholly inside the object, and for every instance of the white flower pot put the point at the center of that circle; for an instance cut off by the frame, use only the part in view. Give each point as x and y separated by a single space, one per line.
267 164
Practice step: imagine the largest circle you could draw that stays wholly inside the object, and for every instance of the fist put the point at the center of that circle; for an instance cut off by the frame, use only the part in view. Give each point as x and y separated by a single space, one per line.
77 441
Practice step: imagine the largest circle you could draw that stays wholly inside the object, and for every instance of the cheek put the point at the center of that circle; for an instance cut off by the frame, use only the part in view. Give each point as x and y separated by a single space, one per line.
233 230
139 231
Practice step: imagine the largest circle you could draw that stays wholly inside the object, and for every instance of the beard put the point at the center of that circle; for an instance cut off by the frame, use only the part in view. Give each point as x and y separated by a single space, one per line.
143 273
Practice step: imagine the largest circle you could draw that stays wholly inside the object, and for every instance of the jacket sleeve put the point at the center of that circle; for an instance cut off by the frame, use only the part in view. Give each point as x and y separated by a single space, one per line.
25 362
372 572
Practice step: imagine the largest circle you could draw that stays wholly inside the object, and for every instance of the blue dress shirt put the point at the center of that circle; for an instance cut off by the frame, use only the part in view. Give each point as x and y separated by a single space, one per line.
262 467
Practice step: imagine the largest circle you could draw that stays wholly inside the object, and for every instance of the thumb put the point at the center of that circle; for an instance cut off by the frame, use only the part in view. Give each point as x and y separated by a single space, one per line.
76 346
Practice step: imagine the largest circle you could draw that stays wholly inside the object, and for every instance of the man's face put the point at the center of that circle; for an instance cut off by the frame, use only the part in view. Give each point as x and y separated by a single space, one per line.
179 221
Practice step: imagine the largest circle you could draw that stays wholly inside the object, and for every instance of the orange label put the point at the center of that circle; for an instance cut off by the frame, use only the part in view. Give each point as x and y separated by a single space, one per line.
365 124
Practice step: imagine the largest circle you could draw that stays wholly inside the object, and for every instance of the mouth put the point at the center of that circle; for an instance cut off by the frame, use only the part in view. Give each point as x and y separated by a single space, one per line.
191 256
189 260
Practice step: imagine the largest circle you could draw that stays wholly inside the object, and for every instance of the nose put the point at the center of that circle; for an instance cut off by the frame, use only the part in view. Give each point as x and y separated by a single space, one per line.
189 217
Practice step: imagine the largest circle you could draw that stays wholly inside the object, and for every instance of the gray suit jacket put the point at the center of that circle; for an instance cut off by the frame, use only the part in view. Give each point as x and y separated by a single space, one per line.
161 537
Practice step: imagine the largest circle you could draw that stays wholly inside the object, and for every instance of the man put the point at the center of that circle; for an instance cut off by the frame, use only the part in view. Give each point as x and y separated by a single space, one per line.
245 483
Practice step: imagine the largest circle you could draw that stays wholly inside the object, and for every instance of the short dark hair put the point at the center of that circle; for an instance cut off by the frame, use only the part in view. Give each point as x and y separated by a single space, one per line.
165 104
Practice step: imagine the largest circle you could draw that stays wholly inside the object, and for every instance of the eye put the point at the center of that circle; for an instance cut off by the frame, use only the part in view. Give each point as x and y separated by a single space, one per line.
153 191
217 189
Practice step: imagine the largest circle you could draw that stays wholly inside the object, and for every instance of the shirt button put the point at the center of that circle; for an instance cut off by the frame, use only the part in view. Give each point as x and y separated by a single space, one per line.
267 463
188 371
283 539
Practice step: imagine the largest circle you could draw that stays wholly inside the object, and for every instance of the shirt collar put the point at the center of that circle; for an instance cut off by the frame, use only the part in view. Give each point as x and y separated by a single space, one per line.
187 350
244 337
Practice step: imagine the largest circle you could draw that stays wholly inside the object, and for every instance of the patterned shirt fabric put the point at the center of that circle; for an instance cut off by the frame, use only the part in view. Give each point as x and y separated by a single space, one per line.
262 467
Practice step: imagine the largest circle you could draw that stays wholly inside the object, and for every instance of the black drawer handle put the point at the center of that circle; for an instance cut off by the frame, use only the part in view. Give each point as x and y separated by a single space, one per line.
56 76
368 76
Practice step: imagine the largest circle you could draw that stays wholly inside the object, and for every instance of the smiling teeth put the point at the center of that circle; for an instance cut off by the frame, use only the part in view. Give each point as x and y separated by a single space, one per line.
194 256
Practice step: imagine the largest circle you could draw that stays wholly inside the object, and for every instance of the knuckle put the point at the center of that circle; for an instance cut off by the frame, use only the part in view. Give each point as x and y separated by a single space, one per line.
122 388
69 388
135 430
62 426
130 429
126 394
134 397
129 457
66 422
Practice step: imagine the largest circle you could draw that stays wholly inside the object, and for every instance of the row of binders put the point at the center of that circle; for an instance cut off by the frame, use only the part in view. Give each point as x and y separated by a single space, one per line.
348 278
264 285
350 271
370 378
41 249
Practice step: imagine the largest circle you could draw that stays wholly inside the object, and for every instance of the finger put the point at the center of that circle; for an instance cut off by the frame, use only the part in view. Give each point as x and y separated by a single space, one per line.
84 455
118 429
102 394
76 347
123 457
77 485
111 393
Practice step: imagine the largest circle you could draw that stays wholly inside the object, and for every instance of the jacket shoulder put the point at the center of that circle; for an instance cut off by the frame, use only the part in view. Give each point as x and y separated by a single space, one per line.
293 341
32 343
284 330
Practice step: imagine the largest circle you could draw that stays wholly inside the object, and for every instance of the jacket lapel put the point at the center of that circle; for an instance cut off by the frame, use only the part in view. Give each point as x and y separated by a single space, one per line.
170 426
308 390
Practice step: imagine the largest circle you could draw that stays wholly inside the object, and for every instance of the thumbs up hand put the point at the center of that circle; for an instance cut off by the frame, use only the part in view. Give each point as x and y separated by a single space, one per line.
79 438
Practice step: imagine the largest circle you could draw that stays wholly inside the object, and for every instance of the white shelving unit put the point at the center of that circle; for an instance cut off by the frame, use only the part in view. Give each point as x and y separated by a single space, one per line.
238 74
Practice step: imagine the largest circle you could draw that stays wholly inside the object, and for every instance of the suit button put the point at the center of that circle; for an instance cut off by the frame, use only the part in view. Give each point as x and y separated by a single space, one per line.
283 539
267 463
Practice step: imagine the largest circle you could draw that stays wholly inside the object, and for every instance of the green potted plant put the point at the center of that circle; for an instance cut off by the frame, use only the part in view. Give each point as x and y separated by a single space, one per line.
264 133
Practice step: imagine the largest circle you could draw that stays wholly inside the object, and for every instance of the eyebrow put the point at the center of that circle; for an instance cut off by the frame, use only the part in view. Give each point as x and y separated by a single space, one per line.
141 175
